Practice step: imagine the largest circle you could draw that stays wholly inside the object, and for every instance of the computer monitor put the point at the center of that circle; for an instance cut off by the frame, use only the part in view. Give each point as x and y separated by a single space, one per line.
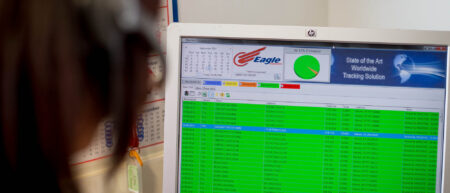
305 109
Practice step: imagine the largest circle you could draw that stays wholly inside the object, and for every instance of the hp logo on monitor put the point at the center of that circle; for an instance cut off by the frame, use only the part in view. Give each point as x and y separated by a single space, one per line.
311 33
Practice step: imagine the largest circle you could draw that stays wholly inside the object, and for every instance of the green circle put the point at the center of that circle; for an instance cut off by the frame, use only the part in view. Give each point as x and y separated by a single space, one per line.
306 67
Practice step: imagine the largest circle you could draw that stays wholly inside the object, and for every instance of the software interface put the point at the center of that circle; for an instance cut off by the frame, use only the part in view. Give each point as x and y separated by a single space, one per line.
277 116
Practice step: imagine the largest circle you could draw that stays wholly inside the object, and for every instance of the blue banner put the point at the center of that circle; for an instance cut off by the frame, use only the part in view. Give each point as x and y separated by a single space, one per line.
388 67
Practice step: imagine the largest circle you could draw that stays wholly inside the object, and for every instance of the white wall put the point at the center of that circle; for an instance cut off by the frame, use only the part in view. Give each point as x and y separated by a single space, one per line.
396 14
266 12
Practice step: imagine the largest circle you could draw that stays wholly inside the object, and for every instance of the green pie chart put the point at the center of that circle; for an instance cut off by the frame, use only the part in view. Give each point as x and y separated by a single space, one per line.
306 67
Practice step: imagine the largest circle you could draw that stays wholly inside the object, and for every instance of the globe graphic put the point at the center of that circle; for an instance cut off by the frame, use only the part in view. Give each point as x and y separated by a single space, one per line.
404 65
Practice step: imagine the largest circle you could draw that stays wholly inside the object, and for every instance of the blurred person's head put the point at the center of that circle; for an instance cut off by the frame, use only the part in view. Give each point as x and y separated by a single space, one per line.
65 65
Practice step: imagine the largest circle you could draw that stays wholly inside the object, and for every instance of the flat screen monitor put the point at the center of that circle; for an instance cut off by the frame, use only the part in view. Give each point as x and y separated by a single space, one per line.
296 109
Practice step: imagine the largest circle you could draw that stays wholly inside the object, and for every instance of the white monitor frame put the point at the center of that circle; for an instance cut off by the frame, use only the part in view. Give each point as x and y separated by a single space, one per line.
176 31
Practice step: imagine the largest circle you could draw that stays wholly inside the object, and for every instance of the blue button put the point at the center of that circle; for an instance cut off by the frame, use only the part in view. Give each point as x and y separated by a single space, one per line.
213 83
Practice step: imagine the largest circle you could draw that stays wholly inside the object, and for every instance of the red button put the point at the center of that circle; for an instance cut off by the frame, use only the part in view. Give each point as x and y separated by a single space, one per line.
290 86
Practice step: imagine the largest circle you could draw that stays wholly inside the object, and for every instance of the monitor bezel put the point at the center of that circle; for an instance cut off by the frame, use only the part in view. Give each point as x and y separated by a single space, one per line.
177 31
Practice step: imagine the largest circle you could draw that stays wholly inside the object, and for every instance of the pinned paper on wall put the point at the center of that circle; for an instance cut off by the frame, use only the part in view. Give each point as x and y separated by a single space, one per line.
150 121
149 124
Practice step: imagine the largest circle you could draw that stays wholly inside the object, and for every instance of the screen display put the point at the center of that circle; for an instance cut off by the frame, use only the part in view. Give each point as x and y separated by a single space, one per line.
278 116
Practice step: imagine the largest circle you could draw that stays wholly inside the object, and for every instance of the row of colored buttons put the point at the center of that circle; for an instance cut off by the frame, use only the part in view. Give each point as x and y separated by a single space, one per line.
251 84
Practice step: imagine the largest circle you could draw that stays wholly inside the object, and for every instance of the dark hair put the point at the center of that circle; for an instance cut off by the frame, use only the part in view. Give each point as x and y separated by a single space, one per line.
52 64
